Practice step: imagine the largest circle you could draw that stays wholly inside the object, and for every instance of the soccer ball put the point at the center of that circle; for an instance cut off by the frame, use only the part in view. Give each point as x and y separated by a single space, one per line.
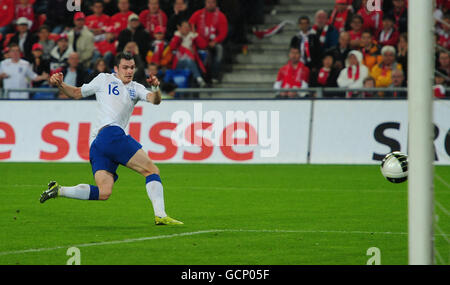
394 167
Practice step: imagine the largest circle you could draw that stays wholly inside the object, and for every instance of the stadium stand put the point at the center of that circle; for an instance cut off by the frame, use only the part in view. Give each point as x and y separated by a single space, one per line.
259 66
242 48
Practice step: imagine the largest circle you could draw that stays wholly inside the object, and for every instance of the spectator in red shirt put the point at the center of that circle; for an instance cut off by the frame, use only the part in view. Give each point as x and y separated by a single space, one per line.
372 19
210 23
212 26
7 12
119 21
153 17
388 36
292 75
107 49
185 43
356 31
98 21
341 16
24 9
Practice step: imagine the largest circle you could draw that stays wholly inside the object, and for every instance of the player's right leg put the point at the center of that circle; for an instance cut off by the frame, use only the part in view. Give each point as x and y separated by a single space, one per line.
103 179
80 191
104 170
105 183
142 164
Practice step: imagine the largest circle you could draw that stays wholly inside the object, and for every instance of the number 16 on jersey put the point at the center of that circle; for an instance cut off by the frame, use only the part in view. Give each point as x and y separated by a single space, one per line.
113 90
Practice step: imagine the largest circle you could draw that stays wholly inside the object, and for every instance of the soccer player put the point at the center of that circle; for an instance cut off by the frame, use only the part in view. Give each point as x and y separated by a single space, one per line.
116 95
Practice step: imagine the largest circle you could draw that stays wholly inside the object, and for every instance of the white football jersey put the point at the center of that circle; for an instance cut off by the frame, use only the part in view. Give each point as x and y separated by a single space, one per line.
115 100
19 75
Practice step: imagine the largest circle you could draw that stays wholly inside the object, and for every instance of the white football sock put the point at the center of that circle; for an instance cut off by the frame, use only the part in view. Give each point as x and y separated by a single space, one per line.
156 194
81 191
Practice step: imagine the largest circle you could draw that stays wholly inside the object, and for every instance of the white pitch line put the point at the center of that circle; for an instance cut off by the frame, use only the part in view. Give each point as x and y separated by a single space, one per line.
442 180
438 256
443 209
107 242
202 232
191 234
441 233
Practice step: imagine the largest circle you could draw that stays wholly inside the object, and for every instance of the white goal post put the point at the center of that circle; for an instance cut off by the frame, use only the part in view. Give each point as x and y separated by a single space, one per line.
420 139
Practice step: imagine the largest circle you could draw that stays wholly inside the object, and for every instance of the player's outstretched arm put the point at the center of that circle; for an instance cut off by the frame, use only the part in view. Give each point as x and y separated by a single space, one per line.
154 97
71 91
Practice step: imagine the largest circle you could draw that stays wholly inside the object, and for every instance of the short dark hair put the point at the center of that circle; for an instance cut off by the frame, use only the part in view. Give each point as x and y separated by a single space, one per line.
181 21
97 62
11 45
44 27
123 55
359 17
328 54
388 17
369 78
404 35
367 31
303 18
442 52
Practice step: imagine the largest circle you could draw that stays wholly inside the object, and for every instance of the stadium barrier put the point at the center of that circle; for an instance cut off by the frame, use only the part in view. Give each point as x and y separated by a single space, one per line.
224 131
316 92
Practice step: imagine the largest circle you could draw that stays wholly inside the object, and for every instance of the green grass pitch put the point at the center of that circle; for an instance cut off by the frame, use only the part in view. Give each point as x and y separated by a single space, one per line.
233 215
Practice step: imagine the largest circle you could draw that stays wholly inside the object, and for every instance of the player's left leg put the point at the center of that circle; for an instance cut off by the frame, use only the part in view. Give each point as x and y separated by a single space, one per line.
142 164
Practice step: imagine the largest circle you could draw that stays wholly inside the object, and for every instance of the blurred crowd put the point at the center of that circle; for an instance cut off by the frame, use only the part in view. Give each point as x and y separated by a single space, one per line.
188 43
183 42
355 46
